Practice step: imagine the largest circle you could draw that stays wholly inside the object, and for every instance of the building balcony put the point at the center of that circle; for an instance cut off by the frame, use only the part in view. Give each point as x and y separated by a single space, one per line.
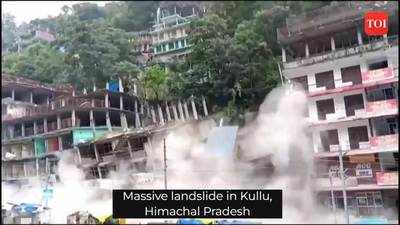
385 142
383 180
369 79
371 110
378 108
341 53
378 144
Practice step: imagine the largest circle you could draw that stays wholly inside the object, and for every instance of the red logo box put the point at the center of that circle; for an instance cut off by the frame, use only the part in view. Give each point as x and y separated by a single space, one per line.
376 23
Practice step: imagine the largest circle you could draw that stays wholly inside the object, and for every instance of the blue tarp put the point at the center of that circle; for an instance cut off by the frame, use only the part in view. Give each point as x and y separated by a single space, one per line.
372 221
113 86
221 141
27 208
189 221
233 222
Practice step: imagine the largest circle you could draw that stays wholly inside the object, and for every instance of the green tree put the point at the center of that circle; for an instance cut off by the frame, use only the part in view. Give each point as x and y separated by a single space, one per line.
39 62
154 83
8 33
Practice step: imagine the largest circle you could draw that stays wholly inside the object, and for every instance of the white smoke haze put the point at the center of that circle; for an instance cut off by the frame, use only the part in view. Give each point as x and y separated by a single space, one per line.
277 131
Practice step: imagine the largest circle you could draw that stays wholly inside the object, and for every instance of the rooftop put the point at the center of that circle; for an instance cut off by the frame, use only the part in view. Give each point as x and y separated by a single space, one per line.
337 16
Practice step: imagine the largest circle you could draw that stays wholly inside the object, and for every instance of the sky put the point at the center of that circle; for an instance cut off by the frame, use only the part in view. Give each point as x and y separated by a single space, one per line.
25 11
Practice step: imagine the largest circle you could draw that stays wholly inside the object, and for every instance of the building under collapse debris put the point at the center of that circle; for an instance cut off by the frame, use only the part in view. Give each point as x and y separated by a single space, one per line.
351 81
40 121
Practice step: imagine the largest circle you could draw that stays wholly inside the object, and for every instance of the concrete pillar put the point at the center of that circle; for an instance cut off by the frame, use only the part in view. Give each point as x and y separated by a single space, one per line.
337 77
106 101
167 110
147 108
153 116
364 67
92 122
60 147
283 55
121 102
124 122
92 102
385 38
23 129
204 106
134 88
359 36
333 47
99 171
79 154
176 118
45 125
186 110
160 115
37 166
73 118
11 130
121 88
130 148
52 105
35 127
108 121
24 168
47 165
58 122
96 153
137 120
31 97
136 106
13 94
180 109
194 108
307 51
47 100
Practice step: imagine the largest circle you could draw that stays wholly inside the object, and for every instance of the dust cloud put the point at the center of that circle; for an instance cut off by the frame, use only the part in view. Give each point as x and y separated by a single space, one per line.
279 132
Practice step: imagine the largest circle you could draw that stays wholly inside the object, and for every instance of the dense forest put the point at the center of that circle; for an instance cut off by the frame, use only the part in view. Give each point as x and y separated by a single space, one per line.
233 60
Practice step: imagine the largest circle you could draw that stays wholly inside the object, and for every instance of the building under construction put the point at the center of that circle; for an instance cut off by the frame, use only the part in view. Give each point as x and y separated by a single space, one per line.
41 121
351 81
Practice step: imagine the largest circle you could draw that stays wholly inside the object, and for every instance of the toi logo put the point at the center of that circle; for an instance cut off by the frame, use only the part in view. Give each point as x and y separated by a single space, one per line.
376 23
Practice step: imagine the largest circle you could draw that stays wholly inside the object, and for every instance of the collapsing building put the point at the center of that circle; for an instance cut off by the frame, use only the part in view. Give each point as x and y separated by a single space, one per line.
40 121
351 81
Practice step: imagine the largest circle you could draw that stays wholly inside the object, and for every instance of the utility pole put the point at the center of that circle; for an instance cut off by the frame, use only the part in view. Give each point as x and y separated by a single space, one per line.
332 195
347 217
165 166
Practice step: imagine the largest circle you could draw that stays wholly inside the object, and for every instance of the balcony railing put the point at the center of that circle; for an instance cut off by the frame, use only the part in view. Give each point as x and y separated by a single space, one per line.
369 78
378 108
59 104
387 178
340 53
384 178
377 75
385 142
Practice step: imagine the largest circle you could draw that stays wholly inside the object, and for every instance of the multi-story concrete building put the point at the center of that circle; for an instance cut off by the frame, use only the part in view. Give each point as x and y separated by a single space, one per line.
351 81
40 121
167 39
170 35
